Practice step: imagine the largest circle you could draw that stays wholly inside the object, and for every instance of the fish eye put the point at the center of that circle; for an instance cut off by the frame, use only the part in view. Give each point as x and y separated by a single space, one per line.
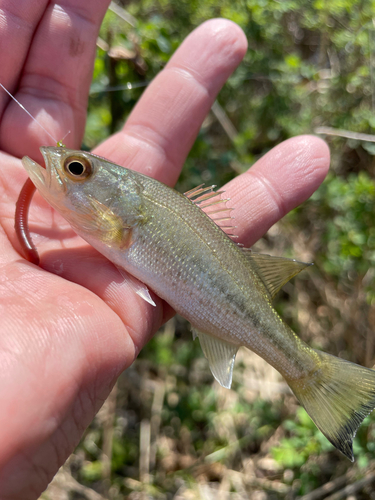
77 168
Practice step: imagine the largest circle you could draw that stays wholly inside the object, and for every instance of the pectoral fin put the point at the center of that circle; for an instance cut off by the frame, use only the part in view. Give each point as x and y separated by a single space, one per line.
138 287
220 355
274 271
99 219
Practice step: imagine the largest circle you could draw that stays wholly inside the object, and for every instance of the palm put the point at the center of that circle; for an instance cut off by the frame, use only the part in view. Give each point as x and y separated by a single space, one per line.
70 327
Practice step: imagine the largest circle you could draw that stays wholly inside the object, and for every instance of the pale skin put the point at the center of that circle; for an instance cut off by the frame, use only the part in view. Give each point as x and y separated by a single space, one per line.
70 327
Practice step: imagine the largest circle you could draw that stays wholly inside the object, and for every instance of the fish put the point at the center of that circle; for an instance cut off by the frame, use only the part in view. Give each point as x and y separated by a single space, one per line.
168 243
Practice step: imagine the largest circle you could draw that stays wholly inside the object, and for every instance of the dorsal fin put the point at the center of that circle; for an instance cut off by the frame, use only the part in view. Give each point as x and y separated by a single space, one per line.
206 197
274 271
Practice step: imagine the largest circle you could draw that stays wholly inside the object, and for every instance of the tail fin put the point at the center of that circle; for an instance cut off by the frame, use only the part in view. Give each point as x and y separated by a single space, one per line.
337 396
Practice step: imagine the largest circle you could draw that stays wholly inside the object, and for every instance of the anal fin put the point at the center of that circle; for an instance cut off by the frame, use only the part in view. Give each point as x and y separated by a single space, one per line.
220 355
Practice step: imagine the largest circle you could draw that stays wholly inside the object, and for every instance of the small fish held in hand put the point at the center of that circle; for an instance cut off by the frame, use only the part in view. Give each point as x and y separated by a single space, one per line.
166 241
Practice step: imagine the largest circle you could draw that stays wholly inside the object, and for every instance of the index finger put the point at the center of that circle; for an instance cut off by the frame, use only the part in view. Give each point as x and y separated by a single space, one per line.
53 74
165 122
18 22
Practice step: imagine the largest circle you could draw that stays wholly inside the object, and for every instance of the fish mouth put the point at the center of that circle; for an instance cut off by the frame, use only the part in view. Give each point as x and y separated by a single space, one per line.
36 172
46 180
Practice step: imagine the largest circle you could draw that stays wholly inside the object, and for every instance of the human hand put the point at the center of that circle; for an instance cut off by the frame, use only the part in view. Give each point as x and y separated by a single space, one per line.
71 326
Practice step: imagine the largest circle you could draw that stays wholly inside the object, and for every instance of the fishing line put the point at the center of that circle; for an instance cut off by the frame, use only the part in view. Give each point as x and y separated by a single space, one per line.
31 116
127 86
60 143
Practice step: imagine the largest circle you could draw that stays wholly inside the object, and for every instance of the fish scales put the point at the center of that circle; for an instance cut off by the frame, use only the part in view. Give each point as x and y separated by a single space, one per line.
166 241
217 290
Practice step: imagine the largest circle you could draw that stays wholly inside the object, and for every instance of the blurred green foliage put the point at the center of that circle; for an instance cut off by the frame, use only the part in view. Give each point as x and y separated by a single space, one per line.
342 213
309 64
303 440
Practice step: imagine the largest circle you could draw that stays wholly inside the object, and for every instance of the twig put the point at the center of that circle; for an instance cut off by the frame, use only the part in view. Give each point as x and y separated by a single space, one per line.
108 423
353 488
144 452
228 450
121 12
224 121
258 482
64 481
327 488
345 133
157 406
102 44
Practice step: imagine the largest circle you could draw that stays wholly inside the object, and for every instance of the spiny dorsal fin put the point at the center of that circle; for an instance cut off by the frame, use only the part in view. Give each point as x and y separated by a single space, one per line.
220 355
274 271
205 197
